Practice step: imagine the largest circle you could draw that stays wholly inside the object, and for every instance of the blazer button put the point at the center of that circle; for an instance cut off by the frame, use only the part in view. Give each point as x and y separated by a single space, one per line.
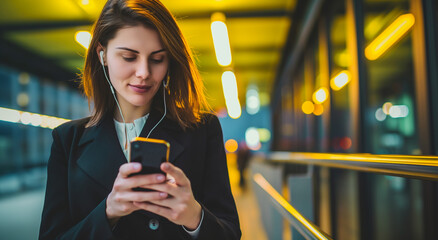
154 224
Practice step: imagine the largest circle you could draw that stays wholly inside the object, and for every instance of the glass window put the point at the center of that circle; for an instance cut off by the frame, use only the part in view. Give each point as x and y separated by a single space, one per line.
25 149
5 89
394 209
299 97
390 107
340 122
285 128
320 96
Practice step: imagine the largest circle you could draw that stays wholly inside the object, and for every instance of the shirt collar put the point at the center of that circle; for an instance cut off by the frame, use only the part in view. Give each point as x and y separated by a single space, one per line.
138 123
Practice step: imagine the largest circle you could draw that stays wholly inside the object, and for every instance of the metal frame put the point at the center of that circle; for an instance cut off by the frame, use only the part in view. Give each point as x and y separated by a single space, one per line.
291 58
421 78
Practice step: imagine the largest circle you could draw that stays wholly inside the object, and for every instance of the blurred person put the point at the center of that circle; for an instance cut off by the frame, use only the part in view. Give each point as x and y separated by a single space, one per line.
141 79
243 156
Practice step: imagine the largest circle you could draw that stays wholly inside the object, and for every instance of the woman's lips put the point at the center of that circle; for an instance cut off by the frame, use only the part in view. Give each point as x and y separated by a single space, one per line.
139 88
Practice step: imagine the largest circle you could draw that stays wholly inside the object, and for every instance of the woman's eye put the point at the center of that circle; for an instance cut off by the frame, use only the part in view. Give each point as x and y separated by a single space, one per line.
157 60
129 59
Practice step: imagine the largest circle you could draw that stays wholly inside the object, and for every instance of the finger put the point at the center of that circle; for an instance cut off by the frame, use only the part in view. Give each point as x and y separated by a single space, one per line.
129 168
177 173
169 188
165 202
141 196
162 211
143 180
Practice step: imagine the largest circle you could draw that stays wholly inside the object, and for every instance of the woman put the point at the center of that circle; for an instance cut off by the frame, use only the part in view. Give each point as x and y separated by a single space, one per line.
141 79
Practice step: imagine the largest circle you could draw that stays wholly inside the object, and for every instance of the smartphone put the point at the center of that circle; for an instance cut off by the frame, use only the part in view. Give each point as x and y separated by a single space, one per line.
150 153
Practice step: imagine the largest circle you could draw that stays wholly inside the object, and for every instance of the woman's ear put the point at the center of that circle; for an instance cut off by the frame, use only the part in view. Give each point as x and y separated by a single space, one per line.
101 54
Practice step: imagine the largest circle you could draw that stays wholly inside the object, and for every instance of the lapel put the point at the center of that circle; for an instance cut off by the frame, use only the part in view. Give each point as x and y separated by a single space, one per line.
102 154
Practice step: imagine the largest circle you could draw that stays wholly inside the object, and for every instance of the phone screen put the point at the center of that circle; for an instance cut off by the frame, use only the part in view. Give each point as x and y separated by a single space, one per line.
150 153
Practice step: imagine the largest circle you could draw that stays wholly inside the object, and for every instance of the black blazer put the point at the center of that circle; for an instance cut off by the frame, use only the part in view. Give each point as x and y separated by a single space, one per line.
83 166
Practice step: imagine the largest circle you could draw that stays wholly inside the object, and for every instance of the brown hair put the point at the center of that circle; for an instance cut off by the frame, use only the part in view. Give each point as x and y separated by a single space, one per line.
184 95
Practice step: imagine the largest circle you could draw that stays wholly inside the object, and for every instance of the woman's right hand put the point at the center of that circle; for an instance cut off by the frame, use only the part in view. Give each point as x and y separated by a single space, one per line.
120 201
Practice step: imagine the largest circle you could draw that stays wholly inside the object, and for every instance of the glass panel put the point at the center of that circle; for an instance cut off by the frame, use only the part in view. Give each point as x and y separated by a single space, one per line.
298 115
318 85
285 130
308 89
393 206
25 149
340 122
390 107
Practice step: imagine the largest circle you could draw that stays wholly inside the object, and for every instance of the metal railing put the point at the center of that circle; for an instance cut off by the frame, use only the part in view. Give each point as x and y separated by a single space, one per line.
304 226
420 167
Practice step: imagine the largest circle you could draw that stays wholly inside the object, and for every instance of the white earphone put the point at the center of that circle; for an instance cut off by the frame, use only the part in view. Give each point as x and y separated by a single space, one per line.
101 57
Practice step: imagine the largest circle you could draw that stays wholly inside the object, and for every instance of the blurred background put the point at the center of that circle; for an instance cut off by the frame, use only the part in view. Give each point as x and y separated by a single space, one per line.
327 109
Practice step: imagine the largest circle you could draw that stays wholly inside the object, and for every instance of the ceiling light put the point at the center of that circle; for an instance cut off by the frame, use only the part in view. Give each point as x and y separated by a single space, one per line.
320 95
340 80
229 85
221 40
83 38
389 36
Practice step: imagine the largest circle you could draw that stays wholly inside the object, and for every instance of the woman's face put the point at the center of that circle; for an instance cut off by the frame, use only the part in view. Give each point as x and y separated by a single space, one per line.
137 64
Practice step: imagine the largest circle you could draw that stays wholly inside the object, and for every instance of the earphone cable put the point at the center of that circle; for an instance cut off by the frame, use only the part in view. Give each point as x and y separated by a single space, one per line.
165 111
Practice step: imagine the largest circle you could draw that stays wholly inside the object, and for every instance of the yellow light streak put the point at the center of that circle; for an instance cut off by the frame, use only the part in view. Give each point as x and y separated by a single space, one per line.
83 38
221 40
320 95
392 34
265 185
340 80
28 118
357 157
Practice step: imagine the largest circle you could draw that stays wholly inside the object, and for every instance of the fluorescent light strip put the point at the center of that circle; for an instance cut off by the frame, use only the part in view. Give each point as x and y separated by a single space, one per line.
340 80
27 118
320 95
221 41
390 36
83 38
229 85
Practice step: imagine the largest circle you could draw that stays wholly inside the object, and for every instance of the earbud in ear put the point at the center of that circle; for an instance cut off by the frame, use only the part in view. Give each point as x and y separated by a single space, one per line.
101 57
166 81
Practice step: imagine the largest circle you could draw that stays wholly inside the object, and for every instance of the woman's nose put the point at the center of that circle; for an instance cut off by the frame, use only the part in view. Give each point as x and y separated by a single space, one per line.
142 70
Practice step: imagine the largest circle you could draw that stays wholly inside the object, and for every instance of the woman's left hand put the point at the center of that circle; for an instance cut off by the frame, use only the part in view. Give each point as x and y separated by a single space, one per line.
181 207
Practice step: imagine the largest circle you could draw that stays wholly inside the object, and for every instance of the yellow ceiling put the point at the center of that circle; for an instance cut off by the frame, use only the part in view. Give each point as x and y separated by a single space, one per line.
257 35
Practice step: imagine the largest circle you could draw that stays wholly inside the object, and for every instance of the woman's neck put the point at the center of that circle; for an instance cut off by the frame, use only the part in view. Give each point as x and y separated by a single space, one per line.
130 112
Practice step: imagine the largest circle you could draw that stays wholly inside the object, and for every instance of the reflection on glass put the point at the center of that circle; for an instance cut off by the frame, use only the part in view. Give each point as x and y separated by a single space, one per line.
388 48
340 122
286 129
394 211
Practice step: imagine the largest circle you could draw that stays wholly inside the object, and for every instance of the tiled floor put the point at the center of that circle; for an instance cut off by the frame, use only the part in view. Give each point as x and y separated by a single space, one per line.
249 216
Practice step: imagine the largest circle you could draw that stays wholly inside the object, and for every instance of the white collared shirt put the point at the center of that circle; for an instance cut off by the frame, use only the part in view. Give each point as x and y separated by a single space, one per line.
133 130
